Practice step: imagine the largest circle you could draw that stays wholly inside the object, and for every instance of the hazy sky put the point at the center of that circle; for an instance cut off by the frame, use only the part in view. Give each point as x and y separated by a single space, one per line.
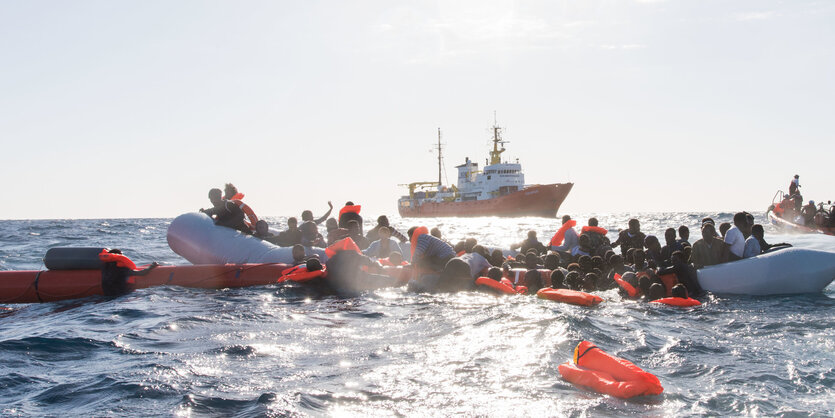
135 109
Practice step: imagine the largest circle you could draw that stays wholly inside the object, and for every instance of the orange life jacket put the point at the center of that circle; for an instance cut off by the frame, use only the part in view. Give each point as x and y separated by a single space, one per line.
250 214
678 301
350 209
300 274
345 244
597 229
630 290
421 230
595 369
517 276
500 286
669 281
120 259
573 297
556 240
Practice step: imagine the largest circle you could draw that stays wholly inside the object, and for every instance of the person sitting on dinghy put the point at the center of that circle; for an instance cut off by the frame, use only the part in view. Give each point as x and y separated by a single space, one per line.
736 236
225 213
710 250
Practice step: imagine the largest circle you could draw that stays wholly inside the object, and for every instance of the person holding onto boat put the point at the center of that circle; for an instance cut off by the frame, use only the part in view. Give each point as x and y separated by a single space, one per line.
736 236
355 234
262 230
758 233
383 222
710 250
566 238
685 272
232 195
530 243
631 237
225 213
808 213
429 253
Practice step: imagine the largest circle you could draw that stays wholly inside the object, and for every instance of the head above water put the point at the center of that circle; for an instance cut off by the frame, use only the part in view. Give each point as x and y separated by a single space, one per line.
670 236
331 224
396 258
298 252
435 232
261 227
684 233
353 227
382 220
292 223
307 216
531 234
656 291
679 291
557 279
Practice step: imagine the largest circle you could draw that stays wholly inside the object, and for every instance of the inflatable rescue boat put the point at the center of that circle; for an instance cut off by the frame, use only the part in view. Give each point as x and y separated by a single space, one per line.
786 271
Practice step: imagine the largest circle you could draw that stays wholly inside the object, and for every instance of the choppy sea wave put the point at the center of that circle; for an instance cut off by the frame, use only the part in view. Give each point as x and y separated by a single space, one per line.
278 351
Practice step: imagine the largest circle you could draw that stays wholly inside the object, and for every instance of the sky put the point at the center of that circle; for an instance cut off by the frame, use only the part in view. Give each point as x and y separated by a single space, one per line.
112 109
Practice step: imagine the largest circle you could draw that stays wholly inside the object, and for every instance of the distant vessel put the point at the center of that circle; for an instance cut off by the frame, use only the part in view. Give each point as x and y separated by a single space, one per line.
498 190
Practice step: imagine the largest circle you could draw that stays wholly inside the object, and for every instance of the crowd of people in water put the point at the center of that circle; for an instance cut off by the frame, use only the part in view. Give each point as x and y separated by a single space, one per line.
791 208
583 260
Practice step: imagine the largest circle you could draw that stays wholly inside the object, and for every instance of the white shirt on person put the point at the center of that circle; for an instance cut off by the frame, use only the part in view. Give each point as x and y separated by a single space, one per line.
736 241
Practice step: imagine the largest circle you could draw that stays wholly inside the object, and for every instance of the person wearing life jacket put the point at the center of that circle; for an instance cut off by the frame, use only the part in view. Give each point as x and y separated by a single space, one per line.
565 239
382 247
350 212
599 243
685 273
307 215
118 272
429 253
350 272
225 213
631 237
232 195
290 236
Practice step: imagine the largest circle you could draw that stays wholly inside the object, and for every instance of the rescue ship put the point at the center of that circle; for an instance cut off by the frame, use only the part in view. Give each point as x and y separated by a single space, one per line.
497 190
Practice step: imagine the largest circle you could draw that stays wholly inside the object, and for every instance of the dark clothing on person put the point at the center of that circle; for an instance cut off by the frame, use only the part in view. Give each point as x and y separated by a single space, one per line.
667 253
229 215
531 243
350 216
686 275
290 237
626 241
374 234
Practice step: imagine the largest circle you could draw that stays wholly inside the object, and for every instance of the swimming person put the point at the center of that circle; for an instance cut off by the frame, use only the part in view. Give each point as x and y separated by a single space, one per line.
292 235
225 213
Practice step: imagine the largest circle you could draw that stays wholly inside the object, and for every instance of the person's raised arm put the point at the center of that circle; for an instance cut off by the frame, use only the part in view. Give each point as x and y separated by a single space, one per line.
326 215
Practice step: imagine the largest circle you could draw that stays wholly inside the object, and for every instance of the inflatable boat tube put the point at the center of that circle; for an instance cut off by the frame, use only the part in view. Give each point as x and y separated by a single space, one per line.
54 285
573 297
603 373
788 271
195 237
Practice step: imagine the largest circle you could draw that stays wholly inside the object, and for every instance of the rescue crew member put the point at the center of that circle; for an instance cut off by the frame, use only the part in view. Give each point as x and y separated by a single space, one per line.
225 213
233 196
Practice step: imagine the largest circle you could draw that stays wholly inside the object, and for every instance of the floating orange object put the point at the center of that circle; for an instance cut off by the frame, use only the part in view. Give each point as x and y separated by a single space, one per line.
603 373
491 284
573 297
678 301
630 290
301 274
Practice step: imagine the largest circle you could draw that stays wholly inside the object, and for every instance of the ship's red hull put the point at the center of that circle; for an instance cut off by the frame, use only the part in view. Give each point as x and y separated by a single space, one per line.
538 200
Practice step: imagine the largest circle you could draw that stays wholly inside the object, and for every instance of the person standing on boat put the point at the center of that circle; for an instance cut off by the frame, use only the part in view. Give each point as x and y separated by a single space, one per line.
794 186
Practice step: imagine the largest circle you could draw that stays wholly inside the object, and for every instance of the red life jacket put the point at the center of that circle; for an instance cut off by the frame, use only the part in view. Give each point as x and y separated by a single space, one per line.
120 259
597 229
345 244
556 240
300 274
350 209
421 230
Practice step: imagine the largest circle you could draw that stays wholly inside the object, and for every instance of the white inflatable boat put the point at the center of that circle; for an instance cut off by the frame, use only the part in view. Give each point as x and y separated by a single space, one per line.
787 271
195 237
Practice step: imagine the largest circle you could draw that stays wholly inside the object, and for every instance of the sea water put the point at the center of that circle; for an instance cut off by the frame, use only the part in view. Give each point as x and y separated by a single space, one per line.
276 351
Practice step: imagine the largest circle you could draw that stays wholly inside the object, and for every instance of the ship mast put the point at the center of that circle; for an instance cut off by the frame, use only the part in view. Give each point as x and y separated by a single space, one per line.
439 157
496 154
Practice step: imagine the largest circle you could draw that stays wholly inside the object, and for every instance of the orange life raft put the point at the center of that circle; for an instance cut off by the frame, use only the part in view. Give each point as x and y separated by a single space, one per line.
573 297
503 286
603 373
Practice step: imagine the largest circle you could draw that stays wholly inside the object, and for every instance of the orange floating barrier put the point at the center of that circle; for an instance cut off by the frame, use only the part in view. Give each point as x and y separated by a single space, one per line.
500 287
603 373
573 297
678 301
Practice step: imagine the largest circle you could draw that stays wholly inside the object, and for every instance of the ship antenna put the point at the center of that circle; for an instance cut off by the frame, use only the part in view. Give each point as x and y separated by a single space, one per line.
439 157
495 155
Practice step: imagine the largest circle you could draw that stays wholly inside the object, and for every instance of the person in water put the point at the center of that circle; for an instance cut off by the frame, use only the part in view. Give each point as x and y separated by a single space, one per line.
685 272
355 234
307 215
583 247
735 237
598 241
653 252
292 235
656 291
298 255
566 238
679 291
225 213
350 212
671 246
232 195
383 222
710 250
262 230
631 237
530 243
684 234
311 236
383 246
430 253
335 233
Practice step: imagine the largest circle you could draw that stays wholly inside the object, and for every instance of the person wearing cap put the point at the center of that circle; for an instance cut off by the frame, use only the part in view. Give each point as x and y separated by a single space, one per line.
794 186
